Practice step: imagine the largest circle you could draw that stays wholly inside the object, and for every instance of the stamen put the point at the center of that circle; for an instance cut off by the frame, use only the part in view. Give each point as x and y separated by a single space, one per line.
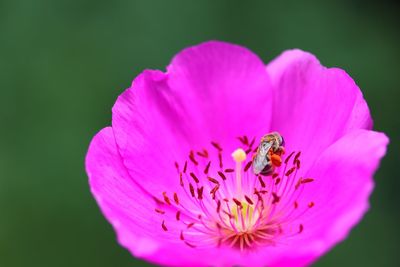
306 180
248 200
200 193
185 167
248 165
288 158
232 214
160 211
261 181
192 158
207 168
217 146
194 177
176 199
222 175
191 188
163 226
203 153
212 180
166 199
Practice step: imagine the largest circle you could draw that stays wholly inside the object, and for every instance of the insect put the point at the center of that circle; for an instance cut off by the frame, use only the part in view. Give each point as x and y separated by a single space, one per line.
268 155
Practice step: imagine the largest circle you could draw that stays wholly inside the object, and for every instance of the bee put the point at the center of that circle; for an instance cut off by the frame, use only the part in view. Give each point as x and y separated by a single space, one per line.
268 155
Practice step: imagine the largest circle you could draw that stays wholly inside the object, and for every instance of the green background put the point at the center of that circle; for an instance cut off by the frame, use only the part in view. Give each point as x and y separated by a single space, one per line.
63 63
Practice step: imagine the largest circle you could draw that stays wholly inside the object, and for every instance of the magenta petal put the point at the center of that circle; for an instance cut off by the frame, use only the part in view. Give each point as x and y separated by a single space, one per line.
343 183
128 208
313 105
116 194
226 86
208 94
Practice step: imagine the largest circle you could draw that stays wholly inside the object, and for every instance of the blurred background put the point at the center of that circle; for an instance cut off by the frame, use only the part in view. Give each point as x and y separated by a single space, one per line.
63 63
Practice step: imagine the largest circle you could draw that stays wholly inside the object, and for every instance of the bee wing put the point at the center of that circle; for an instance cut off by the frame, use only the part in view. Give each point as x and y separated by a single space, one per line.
261 160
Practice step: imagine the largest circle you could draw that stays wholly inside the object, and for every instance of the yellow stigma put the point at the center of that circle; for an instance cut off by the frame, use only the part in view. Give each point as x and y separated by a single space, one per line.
239 155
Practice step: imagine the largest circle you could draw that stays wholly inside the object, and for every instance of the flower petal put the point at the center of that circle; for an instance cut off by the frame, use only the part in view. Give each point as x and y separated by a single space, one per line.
208 94
116 193
340 190
225 87
314 106
129 209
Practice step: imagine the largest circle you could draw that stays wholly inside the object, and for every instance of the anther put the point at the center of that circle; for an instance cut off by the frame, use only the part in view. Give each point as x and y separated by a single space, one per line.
163 226
200 193
261 181
248 165
229 170
290 171
311 204
176 199
307 180
212 180
181 179
196 180
185 167
222 175
220 160
218 206
274 175
189 245
160 211
288 158
245 140
297 156
298 183
166 199
181 236
177 166
237 202
275 198
192 158
248 151
296 204
207 167
214 190
191 188
190 225
178 215
298 164
248 200
277 181
301 228
252 142
216 145
203 153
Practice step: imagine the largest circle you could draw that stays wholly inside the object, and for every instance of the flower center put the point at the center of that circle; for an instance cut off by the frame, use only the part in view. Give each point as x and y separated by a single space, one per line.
235 207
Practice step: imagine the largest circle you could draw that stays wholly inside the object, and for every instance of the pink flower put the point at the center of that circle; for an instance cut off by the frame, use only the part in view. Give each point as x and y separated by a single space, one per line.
165 177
